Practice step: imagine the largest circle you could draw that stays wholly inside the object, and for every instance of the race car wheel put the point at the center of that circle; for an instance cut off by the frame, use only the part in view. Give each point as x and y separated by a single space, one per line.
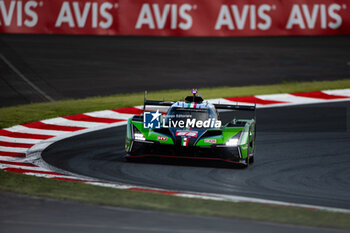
252 145
251 159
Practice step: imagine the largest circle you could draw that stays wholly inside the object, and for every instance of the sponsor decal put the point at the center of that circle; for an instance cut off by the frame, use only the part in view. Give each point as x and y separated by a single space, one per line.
185 141
151 120
176 18
162 138
186 133
173 16
210 140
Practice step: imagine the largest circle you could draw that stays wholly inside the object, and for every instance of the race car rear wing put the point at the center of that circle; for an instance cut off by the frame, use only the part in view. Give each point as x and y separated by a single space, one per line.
217 106
158 103
235 107
238 107
155 102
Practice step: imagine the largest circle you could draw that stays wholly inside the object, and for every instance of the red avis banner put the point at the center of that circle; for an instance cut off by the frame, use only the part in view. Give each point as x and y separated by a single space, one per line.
176 18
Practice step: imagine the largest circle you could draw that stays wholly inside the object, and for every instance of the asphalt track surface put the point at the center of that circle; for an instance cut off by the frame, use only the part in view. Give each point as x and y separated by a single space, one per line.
63 66
296 160
302 157
46 215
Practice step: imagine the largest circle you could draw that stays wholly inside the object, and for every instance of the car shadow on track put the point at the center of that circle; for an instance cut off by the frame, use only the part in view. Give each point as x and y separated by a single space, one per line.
185 162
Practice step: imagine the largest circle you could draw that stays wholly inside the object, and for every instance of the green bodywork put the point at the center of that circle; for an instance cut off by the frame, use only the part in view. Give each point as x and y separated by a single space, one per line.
228 131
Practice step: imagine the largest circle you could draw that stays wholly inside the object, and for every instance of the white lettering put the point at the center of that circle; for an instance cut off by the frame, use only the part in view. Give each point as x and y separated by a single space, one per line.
81 18
323 16
310 20
94 15
252 17
240 19
264 16
7 15
161 18
145 17
65 16
106 15
224 19
206 124
199 124
79 12
190 123
19 14
334 15
181 124
31 13
173 16
184 14
295 18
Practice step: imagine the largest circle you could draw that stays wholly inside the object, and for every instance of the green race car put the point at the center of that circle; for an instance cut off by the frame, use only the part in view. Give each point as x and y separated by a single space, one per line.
191 129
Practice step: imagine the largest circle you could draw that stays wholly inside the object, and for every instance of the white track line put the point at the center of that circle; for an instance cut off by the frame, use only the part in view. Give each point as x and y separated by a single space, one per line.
206 197
53 176
235 198
36 88
39 169
109 185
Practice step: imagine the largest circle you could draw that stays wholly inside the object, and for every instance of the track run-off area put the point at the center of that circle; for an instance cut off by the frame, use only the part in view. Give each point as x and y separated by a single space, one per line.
301 157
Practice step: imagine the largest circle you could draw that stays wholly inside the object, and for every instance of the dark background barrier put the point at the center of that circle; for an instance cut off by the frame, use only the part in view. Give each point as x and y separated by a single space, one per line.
80 66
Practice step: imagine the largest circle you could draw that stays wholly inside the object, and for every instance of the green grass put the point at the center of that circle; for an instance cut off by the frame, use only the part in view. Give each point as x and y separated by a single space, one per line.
150 201
32 112
132 199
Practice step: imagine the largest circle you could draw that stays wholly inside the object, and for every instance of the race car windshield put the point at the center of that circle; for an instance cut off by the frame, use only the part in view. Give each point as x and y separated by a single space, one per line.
184 114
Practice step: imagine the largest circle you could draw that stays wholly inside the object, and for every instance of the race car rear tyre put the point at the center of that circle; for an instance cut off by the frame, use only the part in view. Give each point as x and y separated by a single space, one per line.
251 159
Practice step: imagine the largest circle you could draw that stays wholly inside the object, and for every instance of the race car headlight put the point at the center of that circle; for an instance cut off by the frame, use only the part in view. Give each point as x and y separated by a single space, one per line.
139 136
232 142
